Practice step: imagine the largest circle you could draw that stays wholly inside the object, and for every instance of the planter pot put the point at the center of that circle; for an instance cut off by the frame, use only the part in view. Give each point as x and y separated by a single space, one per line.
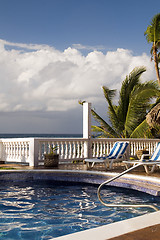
139 153
51 160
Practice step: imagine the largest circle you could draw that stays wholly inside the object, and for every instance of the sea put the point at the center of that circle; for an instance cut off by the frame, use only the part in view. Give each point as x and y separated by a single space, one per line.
39 135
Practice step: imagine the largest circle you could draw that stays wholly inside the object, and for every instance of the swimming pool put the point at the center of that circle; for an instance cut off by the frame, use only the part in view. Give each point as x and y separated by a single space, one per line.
45 210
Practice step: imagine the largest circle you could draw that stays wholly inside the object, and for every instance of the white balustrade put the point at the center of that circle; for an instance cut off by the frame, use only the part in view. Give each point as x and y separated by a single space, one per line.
15 150
32 150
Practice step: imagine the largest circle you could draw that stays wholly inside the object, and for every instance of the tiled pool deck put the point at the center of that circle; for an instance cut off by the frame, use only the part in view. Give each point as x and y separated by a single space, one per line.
146 227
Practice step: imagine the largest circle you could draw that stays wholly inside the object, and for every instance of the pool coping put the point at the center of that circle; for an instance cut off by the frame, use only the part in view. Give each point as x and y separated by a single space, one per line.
146 184
118 229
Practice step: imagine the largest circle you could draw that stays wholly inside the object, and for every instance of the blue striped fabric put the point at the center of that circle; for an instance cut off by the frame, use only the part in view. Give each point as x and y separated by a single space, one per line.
117 150
156 155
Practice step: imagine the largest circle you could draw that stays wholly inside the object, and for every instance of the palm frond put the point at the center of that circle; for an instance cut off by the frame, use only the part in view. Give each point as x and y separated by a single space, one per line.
130 82
140 103
142 131
109 94
101 132
104 125
153 30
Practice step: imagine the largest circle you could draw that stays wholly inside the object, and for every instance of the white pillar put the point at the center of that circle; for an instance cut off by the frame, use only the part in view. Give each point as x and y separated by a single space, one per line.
33 153
87 120
87 129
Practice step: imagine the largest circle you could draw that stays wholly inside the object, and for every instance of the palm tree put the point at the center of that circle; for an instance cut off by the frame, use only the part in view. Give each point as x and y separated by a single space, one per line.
127 118
153 36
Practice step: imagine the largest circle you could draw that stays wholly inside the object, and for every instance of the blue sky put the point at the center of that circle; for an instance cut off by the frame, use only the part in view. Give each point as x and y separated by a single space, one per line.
61 23
55 52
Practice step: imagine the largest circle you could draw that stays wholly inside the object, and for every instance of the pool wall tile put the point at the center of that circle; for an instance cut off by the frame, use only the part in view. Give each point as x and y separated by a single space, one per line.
146 184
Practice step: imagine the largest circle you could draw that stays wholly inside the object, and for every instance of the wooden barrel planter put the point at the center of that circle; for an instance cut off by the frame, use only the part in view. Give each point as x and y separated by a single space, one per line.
51 160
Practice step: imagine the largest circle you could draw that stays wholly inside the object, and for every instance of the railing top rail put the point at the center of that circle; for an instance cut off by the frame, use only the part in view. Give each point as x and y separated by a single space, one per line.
126 139
61 139
41 139
80 138
15 139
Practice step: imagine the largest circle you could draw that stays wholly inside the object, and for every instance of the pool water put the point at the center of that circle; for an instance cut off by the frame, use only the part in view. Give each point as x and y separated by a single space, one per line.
47 210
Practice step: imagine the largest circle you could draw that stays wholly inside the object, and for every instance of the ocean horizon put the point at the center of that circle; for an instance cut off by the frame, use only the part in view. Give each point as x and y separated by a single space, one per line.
39 135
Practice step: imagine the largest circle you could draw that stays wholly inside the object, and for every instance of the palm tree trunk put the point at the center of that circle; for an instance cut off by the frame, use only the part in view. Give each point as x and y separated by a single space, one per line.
156 64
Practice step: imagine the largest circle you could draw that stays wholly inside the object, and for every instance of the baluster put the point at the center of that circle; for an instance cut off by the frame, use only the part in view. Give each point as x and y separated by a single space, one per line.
66 150
97 149
23 151
78 150
69 150
17 156
7 150
151 146
74 149
58 147
109 147
41 150
18 149
82 149
15 150
11 151
134 149
26 150
50 145
62 150
106 148
94 149
24 147
101 149
45 148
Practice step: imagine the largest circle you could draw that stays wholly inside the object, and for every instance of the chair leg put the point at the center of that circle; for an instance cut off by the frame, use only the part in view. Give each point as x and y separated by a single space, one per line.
106 165
87 163
153 168
92 165
147 169
126 165
110 165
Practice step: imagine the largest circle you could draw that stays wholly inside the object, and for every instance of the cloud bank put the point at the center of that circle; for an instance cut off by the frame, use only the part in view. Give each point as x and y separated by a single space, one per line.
41 78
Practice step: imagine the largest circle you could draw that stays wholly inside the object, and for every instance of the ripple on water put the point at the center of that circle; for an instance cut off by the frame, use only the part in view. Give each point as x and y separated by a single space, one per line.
47 210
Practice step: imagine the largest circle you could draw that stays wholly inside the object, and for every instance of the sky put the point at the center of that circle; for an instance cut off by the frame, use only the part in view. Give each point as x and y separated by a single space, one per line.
54 53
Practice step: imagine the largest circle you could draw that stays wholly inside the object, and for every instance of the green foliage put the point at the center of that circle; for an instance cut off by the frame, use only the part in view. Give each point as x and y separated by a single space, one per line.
153 30
153 36
53 150
127 118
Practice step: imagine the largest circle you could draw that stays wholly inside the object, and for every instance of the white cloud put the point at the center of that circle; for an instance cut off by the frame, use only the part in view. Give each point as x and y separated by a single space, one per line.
38 77
83 47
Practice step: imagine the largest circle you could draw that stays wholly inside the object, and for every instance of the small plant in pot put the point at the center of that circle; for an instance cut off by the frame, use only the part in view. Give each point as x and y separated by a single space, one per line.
51 159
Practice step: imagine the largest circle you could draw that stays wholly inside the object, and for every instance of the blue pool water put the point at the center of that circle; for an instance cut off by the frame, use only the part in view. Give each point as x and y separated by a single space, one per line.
47 210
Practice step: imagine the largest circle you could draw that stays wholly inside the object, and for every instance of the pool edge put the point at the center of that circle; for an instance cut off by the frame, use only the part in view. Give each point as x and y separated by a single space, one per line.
117 229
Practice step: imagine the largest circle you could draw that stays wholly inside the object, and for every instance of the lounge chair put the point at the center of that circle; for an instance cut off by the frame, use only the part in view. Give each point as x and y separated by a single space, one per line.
152 163
116 154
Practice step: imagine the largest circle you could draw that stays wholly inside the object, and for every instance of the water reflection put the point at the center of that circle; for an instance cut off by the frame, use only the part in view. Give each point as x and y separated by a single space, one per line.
47 210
